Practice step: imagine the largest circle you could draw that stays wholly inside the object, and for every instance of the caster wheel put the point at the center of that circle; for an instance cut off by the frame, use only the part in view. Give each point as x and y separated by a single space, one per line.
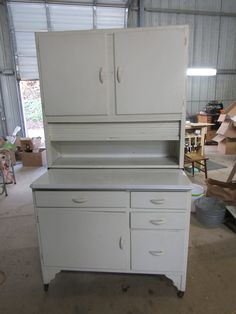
180 294
45 287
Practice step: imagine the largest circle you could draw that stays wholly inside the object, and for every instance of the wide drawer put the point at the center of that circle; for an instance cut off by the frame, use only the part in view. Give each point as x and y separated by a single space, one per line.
83 199
158 220
153 250
176 200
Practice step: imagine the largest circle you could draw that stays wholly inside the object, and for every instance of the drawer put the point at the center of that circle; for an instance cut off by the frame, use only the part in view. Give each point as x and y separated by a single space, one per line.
83 199
159 220
157 251
159 200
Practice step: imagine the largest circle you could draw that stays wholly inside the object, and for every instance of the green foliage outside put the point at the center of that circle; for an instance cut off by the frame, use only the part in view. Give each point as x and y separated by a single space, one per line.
33 111
32 104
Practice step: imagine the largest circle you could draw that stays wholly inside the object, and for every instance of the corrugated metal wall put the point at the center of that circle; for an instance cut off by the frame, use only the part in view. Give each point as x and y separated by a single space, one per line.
212 43
10 113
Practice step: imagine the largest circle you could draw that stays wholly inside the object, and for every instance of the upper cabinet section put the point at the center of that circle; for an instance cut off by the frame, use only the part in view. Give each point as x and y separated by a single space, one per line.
150 71
73 67
113 75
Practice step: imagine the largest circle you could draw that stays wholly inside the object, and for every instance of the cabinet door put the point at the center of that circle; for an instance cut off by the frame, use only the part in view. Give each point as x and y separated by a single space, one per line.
73 73
150 71
85 240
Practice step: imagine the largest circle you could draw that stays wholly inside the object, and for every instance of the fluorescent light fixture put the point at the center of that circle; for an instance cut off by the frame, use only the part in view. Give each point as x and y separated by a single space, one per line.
201 72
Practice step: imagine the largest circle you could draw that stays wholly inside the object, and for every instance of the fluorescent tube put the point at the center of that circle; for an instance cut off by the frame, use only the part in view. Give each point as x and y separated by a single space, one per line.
201 72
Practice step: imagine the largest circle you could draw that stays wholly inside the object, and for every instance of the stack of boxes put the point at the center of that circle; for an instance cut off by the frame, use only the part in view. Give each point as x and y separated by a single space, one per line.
226 134
33 155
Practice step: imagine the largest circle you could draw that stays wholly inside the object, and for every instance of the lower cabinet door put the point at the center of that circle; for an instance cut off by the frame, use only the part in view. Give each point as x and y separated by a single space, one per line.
86 240
157 250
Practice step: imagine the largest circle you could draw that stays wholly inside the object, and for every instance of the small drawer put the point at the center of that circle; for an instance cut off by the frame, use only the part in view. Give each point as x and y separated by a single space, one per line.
158 220
178 200
157 251
83 199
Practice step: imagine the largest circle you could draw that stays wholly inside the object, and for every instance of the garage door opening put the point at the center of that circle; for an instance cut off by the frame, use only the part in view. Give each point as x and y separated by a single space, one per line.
32 108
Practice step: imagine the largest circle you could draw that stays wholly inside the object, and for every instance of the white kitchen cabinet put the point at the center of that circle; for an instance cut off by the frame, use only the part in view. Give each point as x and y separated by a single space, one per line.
115 197
93 73
113 235
73 73
152 68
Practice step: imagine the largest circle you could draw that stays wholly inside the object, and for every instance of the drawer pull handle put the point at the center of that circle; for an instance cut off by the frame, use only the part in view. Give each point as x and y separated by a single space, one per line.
158 201
101 77
118 74
122 243
81 201
157 222
156 253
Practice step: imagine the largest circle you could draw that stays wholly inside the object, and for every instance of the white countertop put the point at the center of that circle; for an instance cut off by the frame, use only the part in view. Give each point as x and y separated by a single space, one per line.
113 179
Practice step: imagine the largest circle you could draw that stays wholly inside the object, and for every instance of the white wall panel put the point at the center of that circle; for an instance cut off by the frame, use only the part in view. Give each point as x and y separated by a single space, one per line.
208 5
28 16
226 87
171 4
227 45
25 43
110 17
11 102
206 41
229 6
28 67
70 17
203 88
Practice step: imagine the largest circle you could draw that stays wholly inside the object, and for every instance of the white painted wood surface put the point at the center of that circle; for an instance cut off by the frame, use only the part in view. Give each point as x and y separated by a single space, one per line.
82 199
84 239
71 84
158 200
148 131
153 249
114 106
113 179
152 71
158 220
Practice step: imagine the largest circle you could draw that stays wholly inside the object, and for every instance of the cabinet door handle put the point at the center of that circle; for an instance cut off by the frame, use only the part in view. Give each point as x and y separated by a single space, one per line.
157 201
157 221
122 243
156 253
101 76
79 201
118 74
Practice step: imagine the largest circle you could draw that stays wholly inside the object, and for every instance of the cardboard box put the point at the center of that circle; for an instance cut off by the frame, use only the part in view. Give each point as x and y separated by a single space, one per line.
227 129
26 144
231 110
210 135
226 145
34 159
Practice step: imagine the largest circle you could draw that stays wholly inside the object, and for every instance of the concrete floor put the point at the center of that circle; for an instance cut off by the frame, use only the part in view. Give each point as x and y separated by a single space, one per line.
211 280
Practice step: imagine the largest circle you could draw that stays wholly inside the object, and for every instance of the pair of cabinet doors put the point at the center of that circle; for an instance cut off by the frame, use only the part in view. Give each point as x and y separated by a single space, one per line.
113 72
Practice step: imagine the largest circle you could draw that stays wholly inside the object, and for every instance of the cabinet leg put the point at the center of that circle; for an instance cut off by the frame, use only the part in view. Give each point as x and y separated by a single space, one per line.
45 287
180 294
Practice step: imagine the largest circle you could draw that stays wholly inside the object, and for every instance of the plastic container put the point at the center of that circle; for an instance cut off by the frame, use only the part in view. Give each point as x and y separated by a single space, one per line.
210 211
197 192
